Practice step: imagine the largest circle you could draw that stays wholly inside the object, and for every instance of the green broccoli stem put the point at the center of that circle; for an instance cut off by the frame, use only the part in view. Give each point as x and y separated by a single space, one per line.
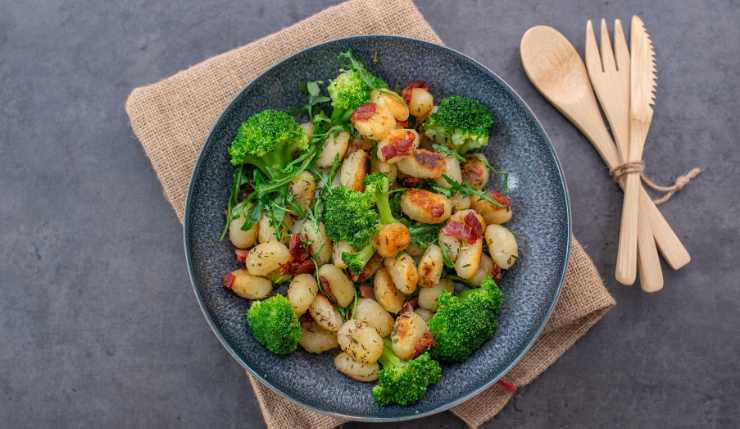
383 203
388 358
357 261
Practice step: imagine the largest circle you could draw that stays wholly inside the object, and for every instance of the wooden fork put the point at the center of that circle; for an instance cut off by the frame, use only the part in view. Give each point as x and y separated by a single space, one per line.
610 76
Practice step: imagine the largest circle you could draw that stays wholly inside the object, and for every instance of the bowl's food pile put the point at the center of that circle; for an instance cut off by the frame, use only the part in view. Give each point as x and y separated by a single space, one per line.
379 214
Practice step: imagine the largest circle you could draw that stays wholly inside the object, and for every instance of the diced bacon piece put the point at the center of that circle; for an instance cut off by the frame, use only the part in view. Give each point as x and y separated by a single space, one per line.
364 112
229 280
406 93
470 230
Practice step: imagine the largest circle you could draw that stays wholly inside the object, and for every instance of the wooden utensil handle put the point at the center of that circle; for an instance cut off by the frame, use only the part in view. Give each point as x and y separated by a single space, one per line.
651 274
671 247
626 269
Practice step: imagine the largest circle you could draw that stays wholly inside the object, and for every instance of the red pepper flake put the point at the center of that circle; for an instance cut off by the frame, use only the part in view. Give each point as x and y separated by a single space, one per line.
241 255
229 280
509 387
470 230
500 198
364 112
399 146
406 93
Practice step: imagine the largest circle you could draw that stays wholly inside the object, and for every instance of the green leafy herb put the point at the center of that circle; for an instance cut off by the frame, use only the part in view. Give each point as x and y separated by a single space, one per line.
464 189
449 152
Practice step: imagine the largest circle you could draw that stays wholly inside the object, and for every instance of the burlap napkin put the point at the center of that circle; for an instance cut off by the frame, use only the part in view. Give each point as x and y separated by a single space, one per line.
172 119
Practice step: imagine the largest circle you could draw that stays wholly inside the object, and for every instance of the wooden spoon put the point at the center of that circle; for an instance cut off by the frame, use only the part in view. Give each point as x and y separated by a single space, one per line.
557 71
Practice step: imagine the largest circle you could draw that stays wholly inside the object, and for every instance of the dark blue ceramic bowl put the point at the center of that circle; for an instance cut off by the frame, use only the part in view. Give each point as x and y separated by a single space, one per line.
541 223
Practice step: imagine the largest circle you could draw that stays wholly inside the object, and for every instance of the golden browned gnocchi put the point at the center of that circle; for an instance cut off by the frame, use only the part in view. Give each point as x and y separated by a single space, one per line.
419 99
360 341
265 258
423 164
301 292
373 121
410 335
428 296
356 370
240 238
303 190
315 339
335 146
425 206
354 169
325 314
430 267
335 283
502 246
391 239
247 285
475 171
398 144
386 293
466 227
394 103
402 270
372 313
498 212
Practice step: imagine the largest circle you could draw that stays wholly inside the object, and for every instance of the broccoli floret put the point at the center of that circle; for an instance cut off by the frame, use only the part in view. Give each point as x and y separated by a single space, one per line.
268 140
357 261
463 323
274 324
378 185
349 216
404 382
461 123
352 87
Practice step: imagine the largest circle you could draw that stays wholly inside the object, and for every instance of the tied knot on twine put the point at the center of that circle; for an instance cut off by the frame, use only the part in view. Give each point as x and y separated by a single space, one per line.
667 191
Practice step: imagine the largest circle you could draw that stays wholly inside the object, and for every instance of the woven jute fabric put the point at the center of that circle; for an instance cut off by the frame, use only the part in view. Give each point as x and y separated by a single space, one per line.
172 119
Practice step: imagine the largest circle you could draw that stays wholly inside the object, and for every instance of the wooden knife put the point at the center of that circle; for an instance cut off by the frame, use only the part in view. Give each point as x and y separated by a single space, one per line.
642 98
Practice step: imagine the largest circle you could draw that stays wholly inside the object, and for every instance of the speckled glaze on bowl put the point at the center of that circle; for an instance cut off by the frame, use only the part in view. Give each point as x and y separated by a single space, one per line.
541 223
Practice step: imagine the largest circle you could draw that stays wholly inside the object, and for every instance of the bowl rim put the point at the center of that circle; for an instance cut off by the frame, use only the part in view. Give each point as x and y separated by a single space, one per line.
446 406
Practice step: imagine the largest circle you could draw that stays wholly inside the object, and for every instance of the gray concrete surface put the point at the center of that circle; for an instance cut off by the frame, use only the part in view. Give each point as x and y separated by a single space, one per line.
99 328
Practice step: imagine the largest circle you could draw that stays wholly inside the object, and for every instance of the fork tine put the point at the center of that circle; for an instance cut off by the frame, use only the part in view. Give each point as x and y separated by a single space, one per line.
593 61
607 56
620 47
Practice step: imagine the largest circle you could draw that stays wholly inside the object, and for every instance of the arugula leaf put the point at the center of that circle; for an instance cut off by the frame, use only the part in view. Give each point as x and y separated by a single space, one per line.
464 189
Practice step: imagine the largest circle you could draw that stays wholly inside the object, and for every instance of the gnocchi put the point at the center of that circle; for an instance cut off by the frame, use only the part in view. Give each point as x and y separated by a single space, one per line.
373 121
475 171
386 293
356 370
315 339
430 267
397 145
425 206
324 314
497 213
360 341
410 336
423 164
301 292
391 239
335 147
402 270
265 258
247 285
502 246
354 169
428 296
335 283
394 103
369 311
303 190
240 238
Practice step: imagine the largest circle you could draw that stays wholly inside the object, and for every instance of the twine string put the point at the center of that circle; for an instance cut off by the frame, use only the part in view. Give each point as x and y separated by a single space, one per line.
667 191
